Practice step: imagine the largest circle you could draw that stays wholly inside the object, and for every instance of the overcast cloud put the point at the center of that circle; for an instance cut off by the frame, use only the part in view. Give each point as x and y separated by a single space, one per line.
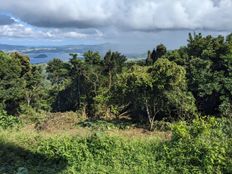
109 19
128 14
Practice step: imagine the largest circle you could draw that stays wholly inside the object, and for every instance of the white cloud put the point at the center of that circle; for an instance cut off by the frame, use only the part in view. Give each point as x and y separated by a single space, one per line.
15 30
124 14
18 30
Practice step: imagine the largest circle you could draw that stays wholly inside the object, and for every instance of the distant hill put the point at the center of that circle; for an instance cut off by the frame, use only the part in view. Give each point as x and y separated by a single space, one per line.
5 47
43 54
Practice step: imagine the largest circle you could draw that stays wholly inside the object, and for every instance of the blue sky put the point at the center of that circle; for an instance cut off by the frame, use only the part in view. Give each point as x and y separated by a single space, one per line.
132 24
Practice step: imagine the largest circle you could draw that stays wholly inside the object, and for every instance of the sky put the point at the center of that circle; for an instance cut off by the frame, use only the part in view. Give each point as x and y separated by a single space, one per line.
132 24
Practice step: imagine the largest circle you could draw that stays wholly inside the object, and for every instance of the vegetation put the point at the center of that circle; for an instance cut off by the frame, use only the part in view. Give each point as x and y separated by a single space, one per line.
171 85
200 147
185 93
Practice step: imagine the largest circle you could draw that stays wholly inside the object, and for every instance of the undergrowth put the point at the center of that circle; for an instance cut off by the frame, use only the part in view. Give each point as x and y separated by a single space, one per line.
202 146
8 121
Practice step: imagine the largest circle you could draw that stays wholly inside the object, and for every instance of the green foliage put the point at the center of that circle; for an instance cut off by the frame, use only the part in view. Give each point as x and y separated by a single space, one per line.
92 58
157 53
171 85
20 83
36 94
101 154
7 121
199 147
159 90
161 50
101 103
202 146
11 82
57 71
84 84
208 64
113 64
179 84
114 61
170 89
19 160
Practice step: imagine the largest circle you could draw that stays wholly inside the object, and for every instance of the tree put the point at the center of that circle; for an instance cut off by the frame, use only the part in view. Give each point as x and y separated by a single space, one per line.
207 61
74 55
59 76
35 89
12 83
161 50
23 61
92 58
157 90
149 60
20 83
157 53
132 88
170 89
57 71
113 64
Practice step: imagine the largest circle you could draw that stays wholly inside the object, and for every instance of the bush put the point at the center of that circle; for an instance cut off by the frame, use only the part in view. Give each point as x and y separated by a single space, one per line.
199 147
7 121
30 115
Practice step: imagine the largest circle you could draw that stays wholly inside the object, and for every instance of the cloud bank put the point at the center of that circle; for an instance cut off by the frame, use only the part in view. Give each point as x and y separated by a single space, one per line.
142 15
132 24
18 30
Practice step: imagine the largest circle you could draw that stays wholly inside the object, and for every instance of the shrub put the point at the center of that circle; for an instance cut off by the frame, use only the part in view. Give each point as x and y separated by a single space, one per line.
7 121
199 147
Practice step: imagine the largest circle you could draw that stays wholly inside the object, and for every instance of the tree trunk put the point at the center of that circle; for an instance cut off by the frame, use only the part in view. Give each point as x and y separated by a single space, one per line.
28 101
151 117
78 92
110 79
151 121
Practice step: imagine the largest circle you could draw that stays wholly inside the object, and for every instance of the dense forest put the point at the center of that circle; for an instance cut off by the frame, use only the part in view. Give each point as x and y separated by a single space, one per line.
182 87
